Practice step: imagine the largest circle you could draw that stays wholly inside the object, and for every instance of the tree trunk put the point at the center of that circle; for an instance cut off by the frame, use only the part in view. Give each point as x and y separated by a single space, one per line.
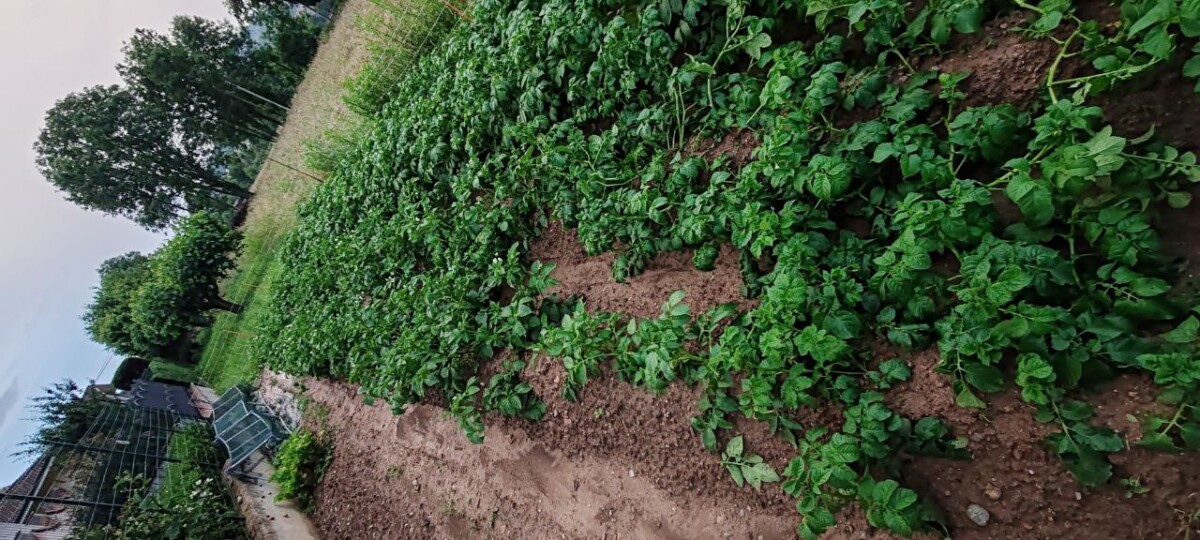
225 305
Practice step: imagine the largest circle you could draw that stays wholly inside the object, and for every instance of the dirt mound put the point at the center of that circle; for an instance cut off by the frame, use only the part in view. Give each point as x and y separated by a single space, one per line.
416 476
1005 66
644 294
653 434
1026 488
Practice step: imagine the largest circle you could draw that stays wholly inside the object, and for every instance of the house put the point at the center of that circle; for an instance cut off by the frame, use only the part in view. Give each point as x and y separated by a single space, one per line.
21 519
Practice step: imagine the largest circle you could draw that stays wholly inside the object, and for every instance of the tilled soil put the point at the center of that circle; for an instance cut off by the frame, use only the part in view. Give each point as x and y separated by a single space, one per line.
622 463
416 476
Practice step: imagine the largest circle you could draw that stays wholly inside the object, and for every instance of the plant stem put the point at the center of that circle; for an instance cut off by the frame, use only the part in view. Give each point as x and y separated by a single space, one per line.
1050 73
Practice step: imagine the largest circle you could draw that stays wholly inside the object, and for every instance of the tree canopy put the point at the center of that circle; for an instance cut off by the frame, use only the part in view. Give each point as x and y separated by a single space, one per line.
108 151
211 79
63 413
187 130
244 10
108 318
146 304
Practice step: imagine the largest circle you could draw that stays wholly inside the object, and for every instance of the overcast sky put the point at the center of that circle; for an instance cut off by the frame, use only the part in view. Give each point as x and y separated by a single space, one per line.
49 249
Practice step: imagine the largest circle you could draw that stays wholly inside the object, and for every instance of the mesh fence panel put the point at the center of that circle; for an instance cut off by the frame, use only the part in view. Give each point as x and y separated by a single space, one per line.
125 454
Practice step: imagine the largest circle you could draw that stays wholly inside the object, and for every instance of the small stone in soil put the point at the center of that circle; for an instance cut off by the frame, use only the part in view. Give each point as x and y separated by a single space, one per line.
978 514
992 493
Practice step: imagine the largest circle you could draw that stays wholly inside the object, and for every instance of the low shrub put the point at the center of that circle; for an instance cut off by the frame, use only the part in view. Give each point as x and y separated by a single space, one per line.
299 466
166 371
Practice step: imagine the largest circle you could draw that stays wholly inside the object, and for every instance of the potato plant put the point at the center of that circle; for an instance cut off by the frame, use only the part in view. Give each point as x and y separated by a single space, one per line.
878 208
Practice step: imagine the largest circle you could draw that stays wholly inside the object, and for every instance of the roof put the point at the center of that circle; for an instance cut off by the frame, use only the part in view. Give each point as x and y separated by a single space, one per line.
162 397
26 484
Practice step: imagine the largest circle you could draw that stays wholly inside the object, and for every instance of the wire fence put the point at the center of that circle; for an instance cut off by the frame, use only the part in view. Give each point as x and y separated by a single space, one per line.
122 460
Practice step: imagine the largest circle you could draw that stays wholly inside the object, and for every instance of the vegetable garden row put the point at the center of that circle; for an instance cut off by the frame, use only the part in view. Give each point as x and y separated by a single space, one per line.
887 207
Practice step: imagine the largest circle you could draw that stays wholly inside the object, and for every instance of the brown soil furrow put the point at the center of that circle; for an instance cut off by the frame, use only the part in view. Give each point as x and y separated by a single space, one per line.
416 476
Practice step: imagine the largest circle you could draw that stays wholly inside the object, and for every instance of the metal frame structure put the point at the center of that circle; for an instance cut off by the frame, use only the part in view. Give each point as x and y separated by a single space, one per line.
242 426
86 484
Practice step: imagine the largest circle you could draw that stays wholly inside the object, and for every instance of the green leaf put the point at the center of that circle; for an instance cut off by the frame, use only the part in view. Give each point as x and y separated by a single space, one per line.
985 378
1152 309
905 498
1090 468
765 473
843 324
735 471
895 522
1015 327
1006 286
829 177
884 490
1105 149
1186 332
1076 410
1032 198
1179 199
968 19
708 438
1159 13
751 476
1158 43
968 400
756 44
1035 367
1157 441
1148 287
1190 433
895 369
840 449
735 447
1098 438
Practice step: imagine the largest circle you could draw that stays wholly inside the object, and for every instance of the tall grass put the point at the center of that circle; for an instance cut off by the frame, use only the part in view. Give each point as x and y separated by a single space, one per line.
397 32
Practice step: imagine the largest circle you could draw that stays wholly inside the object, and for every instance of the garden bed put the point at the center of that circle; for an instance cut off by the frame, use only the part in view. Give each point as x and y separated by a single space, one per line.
905 302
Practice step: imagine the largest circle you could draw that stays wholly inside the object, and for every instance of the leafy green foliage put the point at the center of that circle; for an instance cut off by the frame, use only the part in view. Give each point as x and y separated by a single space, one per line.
146 304
746 468
190 503
300 464
507 393
879 209
1178 371
106 149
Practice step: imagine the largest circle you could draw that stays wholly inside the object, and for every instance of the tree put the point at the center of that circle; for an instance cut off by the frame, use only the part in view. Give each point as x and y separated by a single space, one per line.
146 305
108 151
63 413
108 319
290 42
243 10
205 76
